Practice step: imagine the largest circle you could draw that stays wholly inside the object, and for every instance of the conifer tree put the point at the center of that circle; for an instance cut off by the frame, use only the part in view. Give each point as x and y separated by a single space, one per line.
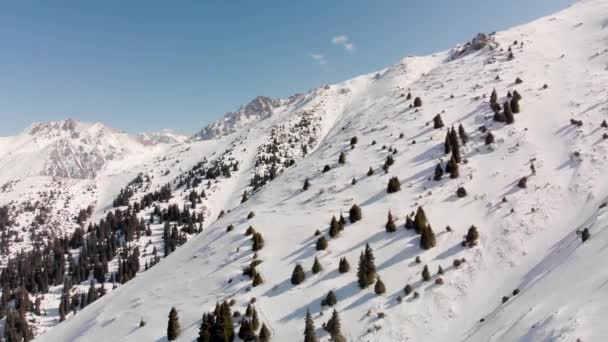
306 184
173 328
585 234
509 118
438 172
321 243
246 332
420 220
341 221
472 236
370 172
390 224
452 168
257 279
330 299
354 214
298 275
342 158
334 327
309 329
409 223
447 144
463 134
393 185
258 242
379 288
344 266
316 266
426 275
515 105
244 198
440 270
334 227
489 138
437 122
366 273
417 102
427 238
265 333
204 332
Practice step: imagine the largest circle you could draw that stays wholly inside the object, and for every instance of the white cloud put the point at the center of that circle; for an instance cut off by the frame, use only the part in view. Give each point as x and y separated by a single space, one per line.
344 41
319 58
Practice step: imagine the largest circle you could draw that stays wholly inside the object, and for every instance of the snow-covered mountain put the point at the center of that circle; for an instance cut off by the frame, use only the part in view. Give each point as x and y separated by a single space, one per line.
533 188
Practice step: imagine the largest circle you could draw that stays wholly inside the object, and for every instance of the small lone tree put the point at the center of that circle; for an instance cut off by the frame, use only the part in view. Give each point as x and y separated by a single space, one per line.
417 102
342 158
452 168
390 224
354 214
316 266
173 328
343 266
464 137
330 299
585 235
438 172
366 274
437 122
393 185
461 192
523 182
472 237
420 220
354 140
298 275
321 243
370 172
306 184
426 275
515 105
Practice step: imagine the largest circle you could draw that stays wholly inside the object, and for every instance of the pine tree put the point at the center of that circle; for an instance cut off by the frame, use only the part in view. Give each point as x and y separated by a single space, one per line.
244 198
334 227
489 138
309 329
330 299
438 172
437 122
258 242
379 288
452 168
173 328
427 238
334 327
463 134
366 273
472 236
417 102
461 192
420 220
455 146
390 224
426 275
354 140
265 333
342 158
509 118
344 266
393 185
408 289
246 332
440 270
257 279
316 266
370 172
321 243
306 184
447 144
409 223
354 214
585 235
298 275
515 105
204 332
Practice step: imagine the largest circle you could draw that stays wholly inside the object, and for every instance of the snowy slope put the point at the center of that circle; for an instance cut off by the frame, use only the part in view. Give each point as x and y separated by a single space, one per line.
528 236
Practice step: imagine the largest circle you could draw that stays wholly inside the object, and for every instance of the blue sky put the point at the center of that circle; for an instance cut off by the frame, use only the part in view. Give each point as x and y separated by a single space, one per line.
148 65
